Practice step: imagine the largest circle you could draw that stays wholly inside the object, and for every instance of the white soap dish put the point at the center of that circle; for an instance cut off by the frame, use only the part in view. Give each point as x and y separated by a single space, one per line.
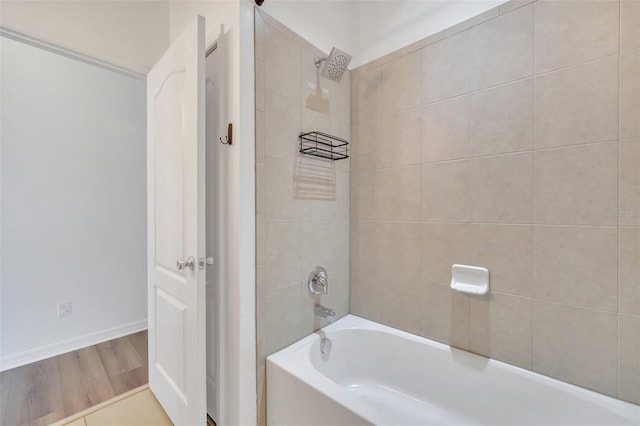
470 279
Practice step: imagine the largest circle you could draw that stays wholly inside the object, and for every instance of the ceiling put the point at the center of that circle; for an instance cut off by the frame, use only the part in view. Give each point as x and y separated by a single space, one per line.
129 34
133 34
368 29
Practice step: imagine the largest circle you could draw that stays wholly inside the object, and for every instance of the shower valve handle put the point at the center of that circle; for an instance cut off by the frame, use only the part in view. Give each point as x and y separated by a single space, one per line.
318 282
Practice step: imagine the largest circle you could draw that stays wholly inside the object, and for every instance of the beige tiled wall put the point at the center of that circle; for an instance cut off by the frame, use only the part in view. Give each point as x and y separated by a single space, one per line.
302 202
511 141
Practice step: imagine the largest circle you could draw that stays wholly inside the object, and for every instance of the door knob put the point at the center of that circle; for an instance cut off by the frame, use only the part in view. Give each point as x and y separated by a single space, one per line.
189 263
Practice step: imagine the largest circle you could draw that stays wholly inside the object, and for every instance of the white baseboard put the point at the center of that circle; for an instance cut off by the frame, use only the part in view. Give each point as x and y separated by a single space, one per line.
8 362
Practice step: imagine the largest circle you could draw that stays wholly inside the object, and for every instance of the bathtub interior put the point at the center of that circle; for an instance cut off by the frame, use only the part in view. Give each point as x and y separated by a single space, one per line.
411 380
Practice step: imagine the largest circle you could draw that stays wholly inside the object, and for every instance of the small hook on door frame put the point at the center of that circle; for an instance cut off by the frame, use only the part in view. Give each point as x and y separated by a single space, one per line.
229 136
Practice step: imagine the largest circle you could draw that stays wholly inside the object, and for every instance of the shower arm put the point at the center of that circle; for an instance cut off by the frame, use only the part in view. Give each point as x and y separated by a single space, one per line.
320 61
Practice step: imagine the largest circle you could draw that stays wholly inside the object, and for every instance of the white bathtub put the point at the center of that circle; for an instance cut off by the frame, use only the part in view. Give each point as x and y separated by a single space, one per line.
379 375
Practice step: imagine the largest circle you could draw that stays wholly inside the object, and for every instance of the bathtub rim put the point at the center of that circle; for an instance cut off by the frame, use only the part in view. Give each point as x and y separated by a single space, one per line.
292 362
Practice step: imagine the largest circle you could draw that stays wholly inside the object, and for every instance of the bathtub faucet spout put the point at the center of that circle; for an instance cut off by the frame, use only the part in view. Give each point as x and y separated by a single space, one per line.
324 312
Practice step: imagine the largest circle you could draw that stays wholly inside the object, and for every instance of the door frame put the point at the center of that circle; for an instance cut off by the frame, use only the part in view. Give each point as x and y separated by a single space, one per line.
243 322
238 387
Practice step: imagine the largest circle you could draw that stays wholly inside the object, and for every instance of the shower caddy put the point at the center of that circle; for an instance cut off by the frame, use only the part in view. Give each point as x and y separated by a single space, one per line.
323 145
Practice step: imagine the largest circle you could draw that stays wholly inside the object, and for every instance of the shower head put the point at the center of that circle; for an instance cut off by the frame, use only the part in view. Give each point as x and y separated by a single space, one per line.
335 65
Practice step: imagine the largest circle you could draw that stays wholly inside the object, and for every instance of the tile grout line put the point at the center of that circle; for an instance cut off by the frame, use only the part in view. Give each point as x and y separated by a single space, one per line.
421 295
467 239
378 165
488 156
516 224
576 306
88 411
618 203
533 204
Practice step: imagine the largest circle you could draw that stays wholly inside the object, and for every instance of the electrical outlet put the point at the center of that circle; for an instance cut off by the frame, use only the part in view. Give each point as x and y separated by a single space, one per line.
64 309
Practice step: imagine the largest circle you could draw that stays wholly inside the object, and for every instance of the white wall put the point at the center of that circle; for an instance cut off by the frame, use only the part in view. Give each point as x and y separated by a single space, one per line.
132 34
217 13
73 203
369 29
322 23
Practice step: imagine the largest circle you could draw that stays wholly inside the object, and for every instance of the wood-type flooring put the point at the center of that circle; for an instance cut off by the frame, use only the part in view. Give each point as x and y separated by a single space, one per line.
46 391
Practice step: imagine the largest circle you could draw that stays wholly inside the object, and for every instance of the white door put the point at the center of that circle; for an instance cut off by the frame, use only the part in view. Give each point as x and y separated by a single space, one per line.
176 227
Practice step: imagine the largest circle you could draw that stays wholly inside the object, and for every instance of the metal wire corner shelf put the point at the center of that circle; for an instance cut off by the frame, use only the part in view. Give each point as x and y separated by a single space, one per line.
323 145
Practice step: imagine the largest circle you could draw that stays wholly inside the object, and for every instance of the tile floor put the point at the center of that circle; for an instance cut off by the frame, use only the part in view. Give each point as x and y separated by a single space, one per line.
138 407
